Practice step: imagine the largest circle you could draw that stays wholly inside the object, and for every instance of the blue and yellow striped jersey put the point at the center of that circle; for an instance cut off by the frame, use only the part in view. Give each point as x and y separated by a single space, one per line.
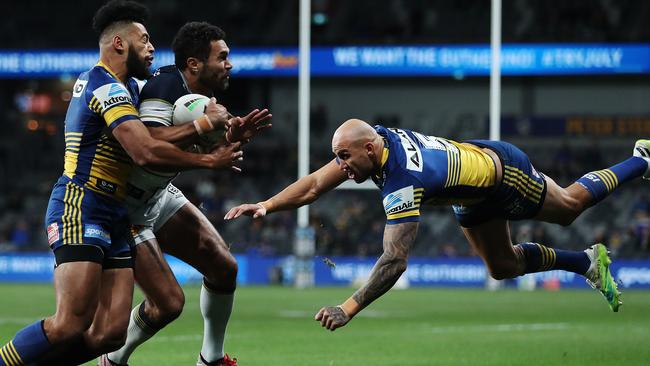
93 158
418 169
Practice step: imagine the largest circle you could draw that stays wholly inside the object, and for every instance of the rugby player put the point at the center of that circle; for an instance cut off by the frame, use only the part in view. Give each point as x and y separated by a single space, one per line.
164 219
86 219
487 182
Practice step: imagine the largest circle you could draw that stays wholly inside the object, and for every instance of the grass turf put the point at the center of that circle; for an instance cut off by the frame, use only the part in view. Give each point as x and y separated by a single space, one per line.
275 326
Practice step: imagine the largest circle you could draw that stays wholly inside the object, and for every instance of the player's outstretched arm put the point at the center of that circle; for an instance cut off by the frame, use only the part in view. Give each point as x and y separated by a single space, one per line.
302 192
389 267
161 155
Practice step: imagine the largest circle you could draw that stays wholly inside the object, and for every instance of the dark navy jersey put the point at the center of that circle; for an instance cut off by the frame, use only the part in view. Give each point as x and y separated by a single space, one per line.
159 94
156 110
418 169
93 158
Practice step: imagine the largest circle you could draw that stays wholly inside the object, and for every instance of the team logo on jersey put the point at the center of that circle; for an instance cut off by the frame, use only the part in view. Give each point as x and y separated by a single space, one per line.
97 232
112 94
400 200
413 153
53 233
78 88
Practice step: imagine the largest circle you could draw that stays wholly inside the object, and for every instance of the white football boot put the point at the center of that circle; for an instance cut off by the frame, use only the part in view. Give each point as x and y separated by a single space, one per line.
642 150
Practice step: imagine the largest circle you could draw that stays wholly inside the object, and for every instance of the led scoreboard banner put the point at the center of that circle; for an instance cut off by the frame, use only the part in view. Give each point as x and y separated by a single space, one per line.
373 61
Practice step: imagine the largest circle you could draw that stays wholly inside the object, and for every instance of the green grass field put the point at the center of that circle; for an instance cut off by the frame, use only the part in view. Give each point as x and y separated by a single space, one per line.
275 326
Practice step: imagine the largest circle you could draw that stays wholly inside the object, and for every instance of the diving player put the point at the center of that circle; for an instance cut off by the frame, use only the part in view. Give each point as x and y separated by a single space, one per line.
164 219
86 220
487 182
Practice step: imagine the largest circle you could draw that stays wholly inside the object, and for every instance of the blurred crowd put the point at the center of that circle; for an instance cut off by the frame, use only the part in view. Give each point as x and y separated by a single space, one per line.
345 222
275 22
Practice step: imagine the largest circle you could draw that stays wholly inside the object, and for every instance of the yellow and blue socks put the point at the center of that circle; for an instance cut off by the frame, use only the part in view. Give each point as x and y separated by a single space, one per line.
28 344
539 258
602 182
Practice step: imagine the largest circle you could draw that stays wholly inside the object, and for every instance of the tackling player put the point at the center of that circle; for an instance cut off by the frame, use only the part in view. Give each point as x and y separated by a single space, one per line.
487 182
164 219
86 220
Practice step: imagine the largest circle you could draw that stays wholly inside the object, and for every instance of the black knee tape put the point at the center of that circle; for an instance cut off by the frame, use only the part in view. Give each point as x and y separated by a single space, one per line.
78 253
118 262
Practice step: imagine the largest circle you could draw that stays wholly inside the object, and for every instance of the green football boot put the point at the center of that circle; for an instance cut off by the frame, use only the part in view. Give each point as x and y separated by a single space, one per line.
599 277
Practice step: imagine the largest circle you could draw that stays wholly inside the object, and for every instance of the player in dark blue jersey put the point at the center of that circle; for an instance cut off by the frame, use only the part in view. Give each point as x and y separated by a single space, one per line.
487 182
165 221
86 220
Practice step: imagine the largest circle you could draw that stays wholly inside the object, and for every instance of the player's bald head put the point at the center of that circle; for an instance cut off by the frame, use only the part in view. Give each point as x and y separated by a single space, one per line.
353 131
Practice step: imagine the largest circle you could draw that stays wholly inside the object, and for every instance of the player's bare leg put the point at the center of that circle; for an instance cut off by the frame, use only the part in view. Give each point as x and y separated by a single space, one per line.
108 329
190 237
164 301
491 241
77 297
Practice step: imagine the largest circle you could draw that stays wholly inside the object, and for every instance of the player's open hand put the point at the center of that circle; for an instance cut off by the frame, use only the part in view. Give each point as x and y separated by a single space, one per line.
227 156
218 114
245 128
332 317
248 209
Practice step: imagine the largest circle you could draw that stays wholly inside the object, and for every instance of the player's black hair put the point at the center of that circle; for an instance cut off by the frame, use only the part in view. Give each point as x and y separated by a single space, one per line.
193 40
119 11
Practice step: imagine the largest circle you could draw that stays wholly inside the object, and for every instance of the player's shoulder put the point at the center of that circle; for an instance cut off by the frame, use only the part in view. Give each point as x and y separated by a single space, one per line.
167 84
105 87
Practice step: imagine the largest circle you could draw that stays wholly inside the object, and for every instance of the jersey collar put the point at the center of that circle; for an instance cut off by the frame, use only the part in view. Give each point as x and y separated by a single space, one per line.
100 63
381 177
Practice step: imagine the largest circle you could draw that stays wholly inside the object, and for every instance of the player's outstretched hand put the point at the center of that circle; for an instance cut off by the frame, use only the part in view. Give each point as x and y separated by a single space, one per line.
248 209
227 156
245 128
332 317
218 114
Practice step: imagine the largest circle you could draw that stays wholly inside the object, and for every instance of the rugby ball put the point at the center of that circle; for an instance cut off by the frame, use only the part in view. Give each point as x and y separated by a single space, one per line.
188 108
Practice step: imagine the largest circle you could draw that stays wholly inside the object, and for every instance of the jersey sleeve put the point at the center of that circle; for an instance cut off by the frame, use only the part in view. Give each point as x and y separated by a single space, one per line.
157 99
113 102
402 196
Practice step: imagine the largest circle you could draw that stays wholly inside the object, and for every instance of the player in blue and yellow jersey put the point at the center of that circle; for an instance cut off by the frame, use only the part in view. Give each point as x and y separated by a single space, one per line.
86 220
487 182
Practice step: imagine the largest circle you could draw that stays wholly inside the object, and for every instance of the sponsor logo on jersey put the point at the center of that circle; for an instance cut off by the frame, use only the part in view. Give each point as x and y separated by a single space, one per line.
97 232
52 233
106 186
78 88
112 94
400 200
413 153
173 190
115 89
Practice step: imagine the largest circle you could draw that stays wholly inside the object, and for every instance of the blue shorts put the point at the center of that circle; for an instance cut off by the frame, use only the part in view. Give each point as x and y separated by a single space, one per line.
83 225
520 195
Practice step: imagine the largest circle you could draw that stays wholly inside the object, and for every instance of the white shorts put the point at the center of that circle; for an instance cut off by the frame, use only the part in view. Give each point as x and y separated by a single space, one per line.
151 216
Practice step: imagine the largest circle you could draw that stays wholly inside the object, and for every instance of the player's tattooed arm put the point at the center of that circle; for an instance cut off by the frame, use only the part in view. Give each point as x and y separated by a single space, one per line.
392 263
390 266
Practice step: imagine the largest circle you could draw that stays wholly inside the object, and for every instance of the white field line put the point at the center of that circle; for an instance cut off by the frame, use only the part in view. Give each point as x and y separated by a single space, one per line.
19 321
500 328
